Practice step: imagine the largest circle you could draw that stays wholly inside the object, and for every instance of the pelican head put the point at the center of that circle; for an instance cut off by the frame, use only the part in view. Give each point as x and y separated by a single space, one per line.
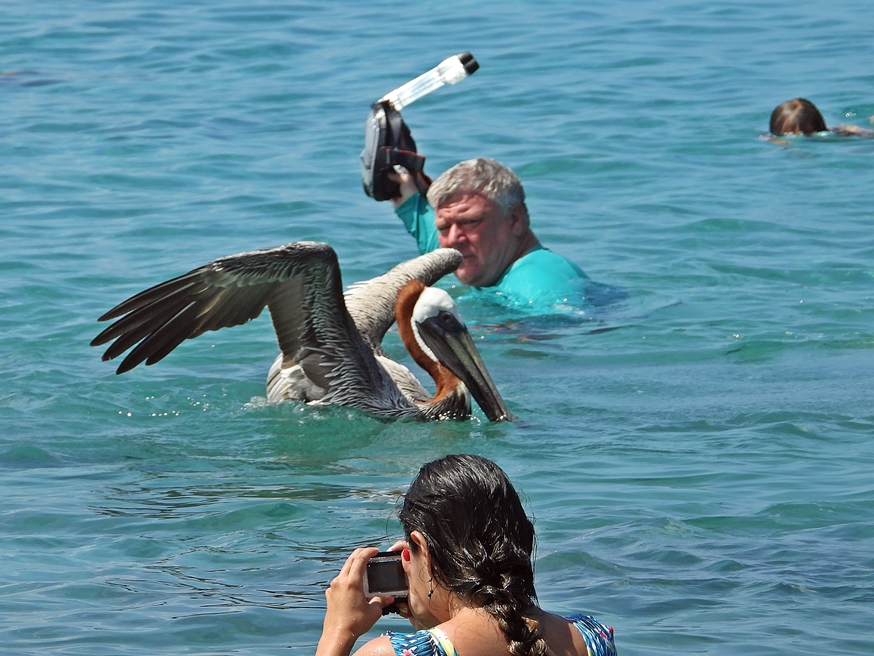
440 331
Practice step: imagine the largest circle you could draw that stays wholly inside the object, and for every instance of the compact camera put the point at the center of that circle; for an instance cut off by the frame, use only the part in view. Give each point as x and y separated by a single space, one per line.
385 576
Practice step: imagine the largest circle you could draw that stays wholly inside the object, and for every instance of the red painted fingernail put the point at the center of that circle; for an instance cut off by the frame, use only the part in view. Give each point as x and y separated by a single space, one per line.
405 554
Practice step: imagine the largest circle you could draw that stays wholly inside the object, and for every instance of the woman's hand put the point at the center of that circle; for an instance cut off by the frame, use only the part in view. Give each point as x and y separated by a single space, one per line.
401 606
350 614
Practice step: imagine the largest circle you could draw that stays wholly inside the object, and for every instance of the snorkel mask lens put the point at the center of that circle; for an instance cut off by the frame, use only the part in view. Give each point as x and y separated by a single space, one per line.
388 143
387 139
374 129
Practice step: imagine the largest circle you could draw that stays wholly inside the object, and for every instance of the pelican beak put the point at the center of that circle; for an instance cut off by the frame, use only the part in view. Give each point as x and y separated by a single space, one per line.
450 341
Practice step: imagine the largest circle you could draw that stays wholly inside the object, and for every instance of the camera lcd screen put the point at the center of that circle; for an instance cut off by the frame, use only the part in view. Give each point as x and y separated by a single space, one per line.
385 575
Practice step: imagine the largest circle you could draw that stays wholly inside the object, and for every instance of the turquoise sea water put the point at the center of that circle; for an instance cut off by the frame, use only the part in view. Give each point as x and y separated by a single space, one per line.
698 455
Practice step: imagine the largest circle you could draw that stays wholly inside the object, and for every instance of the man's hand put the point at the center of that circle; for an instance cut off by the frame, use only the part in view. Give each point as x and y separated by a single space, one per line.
406 182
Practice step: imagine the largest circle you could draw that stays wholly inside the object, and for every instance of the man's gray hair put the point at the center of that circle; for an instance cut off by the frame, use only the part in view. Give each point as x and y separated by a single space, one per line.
483 176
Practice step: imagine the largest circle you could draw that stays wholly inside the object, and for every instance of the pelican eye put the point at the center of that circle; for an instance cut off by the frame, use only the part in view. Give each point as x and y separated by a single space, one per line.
446 317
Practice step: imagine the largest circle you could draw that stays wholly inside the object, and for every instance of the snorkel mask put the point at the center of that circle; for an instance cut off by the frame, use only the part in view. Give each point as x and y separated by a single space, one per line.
387 139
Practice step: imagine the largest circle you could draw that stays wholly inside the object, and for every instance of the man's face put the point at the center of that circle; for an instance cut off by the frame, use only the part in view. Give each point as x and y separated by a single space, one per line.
485 235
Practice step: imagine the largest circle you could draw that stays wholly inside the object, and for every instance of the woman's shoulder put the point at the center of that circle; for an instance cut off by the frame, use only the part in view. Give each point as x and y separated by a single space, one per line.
380 646
574 634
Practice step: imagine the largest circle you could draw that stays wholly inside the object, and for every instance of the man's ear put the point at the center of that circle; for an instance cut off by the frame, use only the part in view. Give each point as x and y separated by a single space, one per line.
519 219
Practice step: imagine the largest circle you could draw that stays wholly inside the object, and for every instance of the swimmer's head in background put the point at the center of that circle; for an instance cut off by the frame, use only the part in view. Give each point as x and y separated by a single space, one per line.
797 116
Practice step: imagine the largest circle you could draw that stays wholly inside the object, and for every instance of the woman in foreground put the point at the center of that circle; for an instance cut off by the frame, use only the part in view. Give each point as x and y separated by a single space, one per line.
468 561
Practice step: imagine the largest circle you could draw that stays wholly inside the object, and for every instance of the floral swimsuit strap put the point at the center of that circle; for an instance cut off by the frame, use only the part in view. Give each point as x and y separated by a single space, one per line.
442 641
432 642
599 638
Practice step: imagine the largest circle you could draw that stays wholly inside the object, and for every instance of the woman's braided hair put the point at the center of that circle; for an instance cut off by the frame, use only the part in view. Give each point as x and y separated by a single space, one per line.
480 539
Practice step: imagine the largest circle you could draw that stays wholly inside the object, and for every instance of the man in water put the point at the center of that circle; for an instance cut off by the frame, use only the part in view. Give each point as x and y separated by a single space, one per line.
478 208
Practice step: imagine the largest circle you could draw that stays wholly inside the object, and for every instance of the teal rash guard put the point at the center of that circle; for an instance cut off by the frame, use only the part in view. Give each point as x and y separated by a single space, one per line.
540 280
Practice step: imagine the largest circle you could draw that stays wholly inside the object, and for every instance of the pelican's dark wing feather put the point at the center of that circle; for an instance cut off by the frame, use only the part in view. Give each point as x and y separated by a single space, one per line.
227 292
371 303
164 290
135 326
301 285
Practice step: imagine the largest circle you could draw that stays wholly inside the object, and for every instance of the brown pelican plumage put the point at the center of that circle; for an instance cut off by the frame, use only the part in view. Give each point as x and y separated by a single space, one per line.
330 343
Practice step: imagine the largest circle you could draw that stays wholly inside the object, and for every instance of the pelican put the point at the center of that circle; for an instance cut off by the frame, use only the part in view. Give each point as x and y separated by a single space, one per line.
330 343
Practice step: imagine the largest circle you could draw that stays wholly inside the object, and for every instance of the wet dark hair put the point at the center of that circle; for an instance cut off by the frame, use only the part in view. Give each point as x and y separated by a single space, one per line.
480 540
797 116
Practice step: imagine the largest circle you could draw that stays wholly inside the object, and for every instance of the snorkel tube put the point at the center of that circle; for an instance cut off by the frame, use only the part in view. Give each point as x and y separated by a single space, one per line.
387 139
449 71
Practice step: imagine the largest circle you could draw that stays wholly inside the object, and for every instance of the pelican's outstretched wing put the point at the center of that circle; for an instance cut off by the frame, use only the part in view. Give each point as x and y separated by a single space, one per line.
371 303
300 283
